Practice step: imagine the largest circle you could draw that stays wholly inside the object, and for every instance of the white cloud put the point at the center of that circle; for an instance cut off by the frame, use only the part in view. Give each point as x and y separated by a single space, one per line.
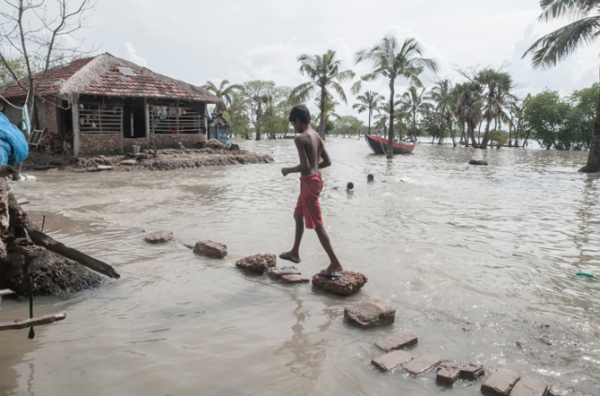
127 52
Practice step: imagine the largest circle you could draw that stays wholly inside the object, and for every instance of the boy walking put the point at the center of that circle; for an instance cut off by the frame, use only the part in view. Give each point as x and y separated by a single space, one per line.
313 156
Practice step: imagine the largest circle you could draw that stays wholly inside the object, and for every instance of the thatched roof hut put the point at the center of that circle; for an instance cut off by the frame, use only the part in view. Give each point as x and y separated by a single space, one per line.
104 96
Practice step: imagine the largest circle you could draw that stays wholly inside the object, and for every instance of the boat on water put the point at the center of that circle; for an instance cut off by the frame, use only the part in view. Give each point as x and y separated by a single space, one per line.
379 145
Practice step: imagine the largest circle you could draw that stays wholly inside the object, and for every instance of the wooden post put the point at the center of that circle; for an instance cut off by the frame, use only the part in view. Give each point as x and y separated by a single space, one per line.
147 116
17 325
76 132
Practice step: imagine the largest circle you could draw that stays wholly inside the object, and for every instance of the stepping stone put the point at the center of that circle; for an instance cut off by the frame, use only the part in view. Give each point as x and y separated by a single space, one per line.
447 377
211 249
477 162
500 383
159 236
422 364
396 341
257 263
370 313
529 386
349 283
391 360
471 371
294 279
277 273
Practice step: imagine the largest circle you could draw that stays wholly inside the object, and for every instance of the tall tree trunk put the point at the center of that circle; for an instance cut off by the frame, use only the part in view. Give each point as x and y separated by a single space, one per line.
486 134
593 162
258 121
370 112
322 108
390 148
472 134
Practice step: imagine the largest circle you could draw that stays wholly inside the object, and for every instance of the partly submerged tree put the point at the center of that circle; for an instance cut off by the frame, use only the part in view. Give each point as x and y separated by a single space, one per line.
369 101
442 98
497 86
414 102
468 107
561 43
392 61
257 93
325 74
223 91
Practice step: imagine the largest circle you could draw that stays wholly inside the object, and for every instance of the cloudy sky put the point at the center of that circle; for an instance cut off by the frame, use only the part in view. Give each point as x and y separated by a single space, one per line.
240 40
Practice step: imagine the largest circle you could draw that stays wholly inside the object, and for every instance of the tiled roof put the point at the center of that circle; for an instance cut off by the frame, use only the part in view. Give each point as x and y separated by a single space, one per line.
51 84
100 76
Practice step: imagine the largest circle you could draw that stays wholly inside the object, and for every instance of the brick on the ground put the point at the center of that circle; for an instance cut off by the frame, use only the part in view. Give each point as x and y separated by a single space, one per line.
422 364
370 313
391 360
396 341
500 383
529 386
559 390
447 377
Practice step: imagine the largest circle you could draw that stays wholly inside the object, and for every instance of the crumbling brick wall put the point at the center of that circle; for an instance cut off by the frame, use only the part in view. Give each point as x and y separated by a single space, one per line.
101 143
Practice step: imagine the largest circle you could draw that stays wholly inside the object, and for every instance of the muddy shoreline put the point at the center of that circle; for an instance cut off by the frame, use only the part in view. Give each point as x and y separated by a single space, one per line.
154 160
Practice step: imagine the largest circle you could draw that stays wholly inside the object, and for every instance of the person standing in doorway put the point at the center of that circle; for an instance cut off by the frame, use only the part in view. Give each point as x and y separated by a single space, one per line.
313 156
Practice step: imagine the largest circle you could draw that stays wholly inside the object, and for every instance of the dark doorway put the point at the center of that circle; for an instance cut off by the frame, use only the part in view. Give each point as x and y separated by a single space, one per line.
134 119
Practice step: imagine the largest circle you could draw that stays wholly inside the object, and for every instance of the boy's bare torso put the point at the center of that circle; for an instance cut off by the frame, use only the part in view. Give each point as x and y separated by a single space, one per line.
310 145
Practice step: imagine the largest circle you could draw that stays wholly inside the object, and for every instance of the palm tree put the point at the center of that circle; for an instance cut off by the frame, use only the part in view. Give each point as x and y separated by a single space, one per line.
324 71
497 85
414 102
368 102
468 107
440 94
222 91
561 43
393 63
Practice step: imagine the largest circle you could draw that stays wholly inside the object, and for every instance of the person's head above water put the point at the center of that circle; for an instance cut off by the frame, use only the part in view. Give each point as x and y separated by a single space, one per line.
370 177
299 118
349 186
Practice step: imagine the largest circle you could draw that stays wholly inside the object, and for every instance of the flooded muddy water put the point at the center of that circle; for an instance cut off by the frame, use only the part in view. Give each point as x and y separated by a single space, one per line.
479 261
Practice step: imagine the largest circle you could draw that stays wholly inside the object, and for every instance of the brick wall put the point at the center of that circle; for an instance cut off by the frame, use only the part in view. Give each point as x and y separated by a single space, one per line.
101 143
172 140
13 115
47 116
142 142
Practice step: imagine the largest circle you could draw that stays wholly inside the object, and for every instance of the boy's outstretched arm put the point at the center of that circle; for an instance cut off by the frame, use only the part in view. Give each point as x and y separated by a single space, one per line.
304 165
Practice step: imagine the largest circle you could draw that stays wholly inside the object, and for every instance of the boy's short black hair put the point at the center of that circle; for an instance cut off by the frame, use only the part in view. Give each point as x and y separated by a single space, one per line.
370 176
350 186
301 114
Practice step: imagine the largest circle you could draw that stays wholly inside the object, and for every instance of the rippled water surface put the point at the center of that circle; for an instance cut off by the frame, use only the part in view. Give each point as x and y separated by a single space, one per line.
480 263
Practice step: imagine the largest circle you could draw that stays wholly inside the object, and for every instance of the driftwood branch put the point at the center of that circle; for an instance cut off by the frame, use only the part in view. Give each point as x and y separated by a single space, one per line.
41 239
23 324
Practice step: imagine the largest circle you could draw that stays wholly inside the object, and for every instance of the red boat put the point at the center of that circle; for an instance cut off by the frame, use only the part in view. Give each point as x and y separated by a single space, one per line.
379 145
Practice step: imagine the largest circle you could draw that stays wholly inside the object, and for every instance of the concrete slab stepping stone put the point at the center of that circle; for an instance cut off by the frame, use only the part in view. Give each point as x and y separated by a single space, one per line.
396 341
257 263
277 273
447 376
391 360
422 364
349 283
500 383
159 236
471 371
529 386
294 279
370 313
211 249
466 371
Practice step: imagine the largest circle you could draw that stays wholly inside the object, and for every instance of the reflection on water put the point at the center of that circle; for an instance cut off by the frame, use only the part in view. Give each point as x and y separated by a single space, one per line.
479 262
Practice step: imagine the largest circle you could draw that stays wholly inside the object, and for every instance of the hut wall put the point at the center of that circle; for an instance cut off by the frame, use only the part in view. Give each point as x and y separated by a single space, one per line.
172 140
13 115
101 143
142 142
47 116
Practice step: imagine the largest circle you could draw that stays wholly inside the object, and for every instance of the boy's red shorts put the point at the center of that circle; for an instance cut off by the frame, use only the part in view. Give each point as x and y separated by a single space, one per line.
308 201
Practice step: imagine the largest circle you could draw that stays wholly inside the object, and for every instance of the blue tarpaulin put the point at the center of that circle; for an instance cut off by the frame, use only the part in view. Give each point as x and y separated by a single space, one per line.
13 145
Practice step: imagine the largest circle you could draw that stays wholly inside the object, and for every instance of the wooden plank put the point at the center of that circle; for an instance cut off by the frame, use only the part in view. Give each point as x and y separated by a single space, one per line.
23 324
6 292
23 201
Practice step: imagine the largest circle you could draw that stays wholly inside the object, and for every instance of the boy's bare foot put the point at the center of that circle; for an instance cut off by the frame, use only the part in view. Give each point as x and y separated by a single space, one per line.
294 258
334 268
